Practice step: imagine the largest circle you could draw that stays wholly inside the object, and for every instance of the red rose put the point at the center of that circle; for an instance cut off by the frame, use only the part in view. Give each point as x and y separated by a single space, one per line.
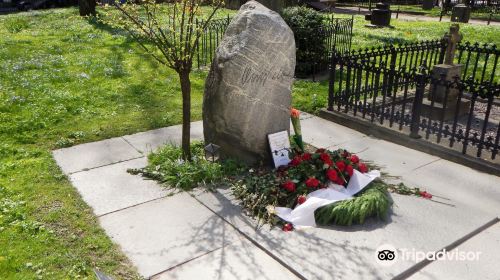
289 186
332 175
340 165
312 182
320 151
349 170
345 154
301 199
287 227
362 168
339 181
324 157
354 159
295 161
306 156
426 195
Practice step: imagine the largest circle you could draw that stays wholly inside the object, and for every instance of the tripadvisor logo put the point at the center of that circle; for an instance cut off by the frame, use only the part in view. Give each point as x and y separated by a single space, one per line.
387 255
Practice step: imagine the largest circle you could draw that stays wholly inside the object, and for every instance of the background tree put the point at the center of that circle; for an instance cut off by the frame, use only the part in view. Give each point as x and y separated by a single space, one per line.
87 7
169 33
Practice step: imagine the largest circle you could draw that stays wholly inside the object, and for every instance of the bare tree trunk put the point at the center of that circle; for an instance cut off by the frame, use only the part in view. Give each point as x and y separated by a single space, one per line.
186 114
87 7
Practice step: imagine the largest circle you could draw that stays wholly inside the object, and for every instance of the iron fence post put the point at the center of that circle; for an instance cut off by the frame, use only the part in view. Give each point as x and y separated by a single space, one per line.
331 82
417 106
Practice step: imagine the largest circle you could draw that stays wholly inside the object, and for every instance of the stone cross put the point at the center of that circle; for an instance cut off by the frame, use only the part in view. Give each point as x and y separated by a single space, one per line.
452 39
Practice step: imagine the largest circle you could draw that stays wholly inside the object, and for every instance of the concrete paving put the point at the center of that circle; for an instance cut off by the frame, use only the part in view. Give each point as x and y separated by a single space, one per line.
96 154
240 260
483 253
164 233
349 252
111 188
205 235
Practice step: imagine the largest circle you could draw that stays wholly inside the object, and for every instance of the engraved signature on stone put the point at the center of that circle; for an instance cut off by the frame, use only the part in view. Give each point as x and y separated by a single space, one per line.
260 78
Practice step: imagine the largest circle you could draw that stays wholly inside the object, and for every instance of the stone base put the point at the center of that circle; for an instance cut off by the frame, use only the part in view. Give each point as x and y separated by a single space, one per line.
378 26
437 92
435 112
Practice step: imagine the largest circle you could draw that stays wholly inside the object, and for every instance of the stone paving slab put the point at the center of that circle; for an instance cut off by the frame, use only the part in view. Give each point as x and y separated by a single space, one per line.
391 158
91 155
485 267
474 189
349 253
240 260
151 140
322 133
111 188
164 233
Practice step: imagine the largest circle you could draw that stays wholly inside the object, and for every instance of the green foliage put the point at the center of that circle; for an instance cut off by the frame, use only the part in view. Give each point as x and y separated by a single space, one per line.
167 166
256 190
306 25
13 214
373 201
16 25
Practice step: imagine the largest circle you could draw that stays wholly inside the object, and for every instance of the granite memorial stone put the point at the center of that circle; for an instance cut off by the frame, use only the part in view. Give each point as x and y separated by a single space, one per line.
248 89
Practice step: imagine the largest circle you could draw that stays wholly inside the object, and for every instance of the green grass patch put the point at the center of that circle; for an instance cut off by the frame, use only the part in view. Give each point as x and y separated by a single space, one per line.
482 14
167 167
411 31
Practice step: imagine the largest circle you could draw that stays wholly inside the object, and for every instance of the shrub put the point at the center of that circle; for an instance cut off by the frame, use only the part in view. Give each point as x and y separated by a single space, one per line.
306 25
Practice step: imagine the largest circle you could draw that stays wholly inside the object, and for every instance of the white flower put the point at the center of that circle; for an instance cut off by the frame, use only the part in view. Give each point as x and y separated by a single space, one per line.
271 210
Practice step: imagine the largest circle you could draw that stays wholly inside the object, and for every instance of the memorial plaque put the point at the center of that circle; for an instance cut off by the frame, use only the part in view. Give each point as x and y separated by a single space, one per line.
279 143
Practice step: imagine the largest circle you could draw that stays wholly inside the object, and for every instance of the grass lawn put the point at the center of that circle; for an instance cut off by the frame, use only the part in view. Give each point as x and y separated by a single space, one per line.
64 81
483 14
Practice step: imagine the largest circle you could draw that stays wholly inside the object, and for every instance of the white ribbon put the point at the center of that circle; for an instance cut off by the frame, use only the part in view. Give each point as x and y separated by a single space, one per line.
303 214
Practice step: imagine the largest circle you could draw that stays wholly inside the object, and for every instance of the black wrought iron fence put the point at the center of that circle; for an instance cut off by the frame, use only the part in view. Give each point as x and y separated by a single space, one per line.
376 85
336 34
407 55
480 62
210 39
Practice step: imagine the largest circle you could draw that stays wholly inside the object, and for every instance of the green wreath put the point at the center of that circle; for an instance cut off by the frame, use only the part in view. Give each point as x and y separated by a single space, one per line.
373 201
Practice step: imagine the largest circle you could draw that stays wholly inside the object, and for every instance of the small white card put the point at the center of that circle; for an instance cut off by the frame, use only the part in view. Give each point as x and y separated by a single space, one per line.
280 148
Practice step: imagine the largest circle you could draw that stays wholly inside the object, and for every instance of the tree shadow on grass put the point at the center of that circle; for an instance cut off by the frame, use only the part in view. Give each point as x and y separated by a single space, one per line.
142 92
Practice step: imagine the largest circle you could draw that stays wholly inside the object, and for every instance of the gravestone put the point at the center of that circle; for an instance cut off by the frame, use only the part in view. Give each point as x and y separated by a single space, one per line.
380 16
248 90
441 103
275 5
460 13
